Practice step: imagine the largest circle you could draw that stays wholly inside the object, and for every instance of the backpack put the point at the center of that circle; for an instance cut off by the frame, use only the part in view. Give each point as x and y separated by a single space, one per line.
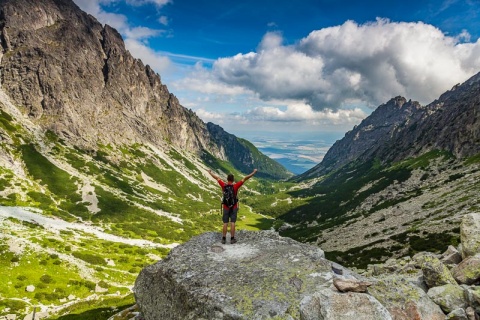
229 198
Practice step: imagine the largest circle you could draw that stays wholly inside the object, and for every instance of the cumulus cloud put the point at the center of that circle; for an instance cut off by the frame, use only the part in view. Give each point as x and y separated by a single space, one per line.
295 114
305 113
354 64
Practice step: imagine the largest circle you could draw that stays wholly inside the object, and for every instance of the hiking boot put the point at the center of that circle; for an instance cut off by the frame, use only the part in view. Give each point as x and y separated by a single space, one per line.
233 240
224 240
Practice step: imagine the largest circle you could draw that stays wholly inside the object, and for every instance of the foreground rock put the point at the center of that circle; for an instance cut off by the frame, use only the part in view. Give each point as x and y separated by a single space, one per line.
262 276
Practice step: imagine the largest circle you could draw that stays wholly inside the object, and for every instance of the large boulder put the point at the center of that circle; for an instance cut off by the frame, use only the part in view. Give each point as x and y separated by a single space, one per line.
262 276
468 271
333 305
404 300
452 256
470 234
435 272
449 297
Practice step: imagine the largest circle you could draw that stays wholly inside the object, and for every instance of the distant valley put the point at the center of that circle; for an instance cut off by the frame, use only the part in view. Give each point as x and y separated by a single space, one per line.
297 152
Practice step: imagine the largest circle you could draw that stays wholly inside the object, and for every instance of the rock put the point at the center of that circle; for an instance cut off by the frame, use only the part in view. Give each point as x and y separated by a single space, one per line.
472 297
330 305
404 300
457 314
470 234
468 271
11 317
452 256
30 288
99 289
471 313
351 285
264 275
435 272
449 297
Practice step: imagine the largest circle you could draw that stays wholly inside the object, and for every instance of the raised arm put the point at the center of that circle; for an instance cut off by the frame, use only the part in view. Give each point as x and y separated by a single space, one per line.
213 175
249 176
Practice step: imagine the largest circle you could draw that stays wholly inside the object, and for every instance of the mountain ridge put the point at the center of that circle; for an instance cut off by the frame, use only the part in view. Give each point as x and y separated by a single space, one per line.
74 77
400 129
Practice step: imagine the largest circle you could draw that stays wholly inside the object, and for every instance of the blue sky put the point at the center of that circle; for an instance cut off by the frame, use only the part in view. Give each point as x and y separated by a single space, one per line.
298 66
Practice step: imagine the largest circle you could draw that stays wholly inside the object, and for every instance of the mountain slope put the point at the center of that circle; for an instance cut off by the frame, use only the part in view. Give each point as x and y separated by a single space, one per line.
396 184
400 129
74 77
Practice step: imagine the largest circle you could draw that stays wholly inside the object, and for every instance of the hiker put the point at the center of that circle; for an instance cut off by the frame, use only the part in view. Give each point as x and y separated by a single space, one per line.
230 210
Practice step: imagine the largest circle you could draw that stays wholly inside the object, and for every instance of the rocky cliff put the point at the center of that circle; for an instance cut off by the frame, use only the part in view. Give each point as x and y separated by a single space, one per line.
400 129
74 77
265 276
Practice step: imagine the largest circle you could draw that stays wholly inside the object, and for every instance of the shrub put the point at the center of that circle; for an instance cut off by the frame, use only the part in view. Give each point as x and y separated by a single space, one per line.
46 278
90 258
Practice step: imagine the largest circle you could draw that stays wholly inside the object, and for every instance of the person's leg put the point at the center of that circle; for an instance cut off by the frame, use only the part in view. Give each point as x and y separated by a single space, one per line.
233 219
225 219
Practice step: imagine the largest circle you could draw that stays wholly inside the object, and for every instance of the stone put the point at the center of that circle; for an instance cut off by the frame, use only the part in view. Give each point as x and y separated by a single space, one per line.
263 275
449 297
404 300
472 295
30 288
468 271
452 256
351 285
471 313
435 272
330 305
457 314
470 234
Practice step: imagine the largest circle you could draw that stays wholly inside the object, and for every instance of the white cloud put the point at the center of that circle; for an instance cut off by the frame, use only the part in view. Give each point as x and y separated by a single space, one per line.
296 115
158 3
147 55
305 113
352 64
164 20
203 81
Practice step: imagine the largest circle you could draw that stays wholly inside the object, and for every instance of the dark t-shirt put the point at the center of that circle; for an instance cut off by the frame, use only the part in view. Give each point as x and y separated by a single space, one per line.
236 186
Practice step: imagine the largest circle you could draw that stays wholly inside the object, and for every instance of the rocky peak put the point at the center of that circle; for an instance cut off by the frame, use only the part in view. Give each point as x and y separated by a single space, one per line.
368 136
400 129
73 76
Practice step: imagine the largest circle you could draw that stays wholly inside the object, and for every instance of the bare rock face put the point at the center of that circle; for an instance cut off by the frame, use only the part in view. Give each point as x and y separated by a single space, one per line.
71 75
262 276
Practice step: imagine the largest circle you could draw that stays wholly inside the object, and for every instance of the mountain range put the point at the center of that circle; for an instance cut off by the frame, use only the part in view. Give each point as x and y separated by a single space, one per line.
103 171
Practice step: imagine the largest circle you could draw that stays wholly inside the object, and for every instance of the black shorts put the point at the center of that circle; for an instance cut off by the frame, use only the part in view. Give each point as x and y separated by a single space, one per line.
229 215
